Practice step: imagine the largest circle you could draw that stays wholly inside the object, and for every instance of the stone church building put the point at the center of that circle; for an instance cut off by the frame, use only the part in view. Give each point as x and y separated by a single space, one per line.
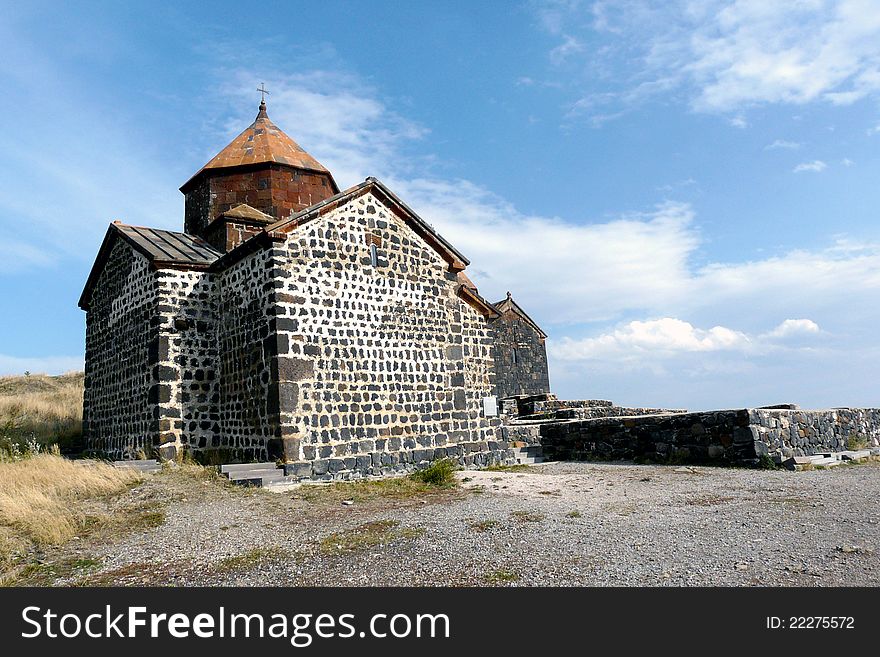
291 320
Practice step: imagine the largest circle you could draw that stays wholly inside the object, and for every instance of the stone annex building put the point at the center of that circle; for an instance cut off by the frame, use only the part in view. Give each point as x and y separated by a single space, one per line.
291 320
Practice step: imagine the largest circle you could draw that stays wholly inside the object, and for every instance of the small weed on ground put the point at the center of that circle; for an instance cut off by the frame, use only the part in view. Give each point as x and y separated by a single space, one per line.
484 525
856 442
248 560
366 536
526 516
440 473
574 514
398 488
501 576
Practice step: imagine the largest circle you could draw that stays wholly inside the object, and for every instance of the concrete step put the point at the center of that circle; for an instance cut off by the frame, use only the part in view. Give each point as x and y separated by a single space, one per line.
238 467
256 472
529 455
258 479
855 455
141 465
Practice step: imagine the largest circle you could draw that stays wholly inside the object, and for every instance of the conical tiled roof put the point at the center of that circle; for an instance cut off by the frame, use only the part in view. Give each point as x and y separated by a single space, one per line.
262 142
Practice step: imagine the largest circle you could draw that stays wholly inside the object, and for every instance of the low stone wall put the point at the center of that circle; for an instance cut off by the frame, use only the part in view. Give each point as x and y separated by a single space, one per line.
789 433
739 436
479 454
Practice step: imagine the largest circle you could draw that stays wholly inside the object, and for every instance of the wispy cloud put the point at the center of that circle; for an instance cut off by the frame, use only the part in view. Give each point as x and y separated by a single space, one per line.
570 46
783 144
657 339
815 166
728 56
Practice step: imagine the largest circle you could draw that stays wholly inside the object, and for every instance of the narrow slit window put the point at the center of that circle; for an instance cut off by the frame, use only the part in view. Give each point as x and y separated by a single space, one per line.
514 357
374 256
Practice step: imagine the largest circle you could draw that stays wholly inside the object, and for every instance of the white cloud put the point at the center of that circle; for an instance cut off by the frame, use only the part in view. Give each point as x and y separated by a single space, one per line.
739 121
728 55
653 338
333 115
569 46
783 144
669 337
847 162
794 327
815 166
16 365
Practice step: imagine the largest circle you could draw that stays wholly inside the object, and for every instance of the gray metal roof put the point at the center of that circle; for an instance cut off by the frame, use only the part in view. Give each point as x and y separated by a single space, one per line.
165 246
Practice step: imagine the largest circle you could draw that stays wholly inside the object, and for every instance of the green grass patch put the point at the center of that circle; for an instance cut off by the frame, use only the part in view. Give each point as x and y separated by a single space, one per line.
502 576
484 525
856 442
248 560
366 536
48 573
526 516
574 514
397 488
440 473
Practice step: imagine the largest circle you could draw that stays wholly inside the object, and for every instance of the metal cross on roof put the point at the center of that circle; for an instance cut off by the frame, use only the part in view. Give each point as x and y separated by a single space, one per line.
263 92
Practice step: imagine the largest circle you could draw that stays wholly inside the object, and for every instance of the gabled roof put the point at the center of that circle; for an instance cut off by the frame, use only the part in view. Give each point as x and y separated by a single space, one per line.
243 211
457 261
509 305
262 142
163 248
241 214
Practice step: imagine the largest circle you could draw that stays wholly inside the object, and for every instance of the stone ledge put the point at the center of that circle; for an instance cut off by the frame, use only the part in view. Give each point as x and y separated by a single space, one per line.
381 464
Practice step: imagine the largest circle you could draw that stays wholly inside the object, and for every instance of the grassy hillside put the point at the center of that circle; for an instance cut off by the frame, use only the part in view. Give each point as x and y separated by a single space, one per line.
41 409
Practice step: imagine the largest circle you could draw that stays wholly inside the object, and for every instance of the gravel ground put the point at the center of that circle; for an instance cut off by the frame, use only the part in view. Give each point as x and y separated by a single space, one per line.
569 524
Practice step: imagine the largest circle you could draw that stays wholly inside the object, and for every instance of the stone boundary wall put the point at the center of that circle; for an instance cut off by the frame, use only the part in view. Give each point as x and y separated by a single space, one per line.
738 436
470 455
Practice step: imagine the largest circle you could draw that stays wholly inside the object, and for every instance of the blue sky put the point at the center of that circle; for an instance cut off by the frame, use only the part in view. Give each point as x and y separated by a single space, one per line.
684 194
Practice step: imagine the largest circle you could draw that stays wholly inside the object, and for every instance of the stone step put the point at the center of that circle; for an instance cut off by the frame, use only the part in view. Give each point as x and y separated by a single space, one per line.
237 467
256 472
141 465
258 479
855 455
529 455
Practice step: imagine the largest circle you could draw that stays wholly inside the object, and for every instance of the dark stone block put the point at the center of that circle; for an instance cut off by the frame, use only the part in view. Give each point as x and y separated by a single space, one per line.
454 353
295 369
283 449
159 394
298 469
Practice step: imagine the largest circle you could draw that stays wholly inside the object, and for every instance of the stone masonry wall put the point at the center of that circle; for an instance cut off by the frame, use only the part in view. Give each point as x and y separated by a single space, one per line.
278 191
248 398
119 403
380 367
187 372
789 433
739 436
520 357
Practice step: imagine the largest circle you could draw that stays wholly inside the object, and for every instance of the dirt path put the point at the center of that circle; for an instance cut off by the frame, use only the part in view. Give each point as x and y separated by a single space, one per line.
560 524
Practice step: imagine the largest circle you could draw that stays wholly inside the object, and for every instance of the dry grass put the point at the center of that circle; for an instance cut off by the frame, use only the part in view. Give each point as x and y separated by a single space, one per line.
41 500
368 535
397 488
41 409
